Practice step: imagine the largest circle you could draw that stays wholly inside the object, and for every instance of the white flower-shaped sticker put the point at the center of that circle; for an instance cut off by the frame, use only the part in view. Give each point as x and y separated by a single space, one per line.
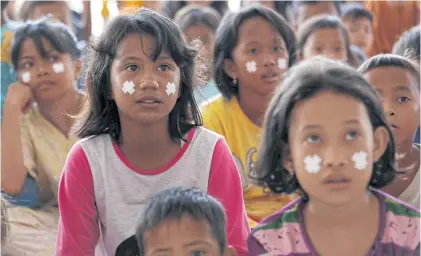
26 77
170 88
282 63
251 66
312 163
58 67
128 87
360 160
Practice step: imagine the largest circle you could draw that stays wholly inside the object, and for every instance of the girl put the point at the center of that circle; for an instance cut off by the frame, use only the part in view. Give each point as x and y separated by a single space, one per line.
397 81
253 48
200 23
142 135
337 157
46 60
325 35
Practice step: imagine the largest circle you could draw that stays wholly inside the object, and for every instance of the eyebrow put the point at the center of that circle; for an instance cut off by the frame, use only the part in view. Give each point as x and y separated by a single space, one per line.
32 57
161 57
315 126
196 242
402 88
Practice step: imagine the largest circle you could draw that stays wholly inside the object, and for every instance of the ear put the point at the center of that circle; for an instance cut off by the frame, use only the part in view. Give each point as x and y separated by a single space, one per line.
230 251
381 140
78 68
230 68
287 160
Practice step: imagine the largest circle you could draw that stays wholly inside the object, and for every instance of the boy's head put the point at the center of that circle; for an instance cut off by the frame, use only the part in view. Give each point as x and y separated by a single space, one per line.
183 222
308 9
408 45
358 22
33 10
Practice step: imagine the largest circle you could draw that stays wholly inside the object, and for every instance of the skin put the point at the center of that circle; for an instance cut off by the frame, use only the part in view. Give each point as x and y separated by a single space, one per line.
360 32
336 219
306 11
326 42
186 236
399 92
260 42
133 63
54 94
59 11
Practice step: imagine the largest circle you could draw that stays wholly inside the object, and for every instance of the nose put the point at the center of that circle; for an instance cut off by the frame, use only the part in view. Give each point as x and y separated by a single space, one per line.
149 84
388 110
269 60
334 158
43 69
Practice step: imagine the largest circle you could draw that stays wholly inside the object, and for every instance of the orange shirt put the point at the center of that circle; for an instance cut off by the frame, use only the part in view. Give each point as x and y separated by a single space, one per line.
390 21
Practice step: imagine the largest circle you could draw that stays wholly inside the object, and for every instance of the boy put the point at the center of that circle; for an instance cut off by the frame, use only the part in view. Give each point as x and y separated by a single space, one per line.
180 221
359 22
308 9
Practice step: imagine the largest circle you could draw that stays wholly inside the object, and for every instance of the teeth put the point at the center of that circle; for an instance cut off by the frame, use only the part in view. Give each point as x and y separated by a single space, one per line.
149 101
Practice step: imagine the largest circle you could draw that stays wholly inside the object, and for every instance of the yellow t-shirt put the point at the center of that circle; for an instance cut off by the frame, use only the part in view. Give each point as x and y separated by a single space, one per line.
243 137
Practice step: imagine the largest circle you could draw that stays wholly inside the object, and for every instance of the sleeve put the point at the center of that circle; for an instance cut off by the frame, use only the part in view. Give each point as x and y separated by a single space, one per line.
78 230
254 247
28 149
225 186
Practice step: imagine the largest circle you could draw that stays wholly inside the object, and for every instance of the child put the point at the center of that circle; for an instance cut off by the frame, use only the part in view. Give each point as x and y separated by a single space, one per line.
253 48
170 8
59 10
142 135
336 148
201 23
358 21
397 81
307 9
46 60
284 8
326 36
194 220
408 45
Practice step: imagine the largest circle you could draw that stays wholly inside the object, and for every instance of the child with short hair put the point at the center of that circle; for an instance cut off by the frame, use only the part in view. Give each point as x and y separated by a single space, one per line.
325 35
408 45
305 10
397 81
33 10
253 49
195 222
200 23
141 134
326 136
358 21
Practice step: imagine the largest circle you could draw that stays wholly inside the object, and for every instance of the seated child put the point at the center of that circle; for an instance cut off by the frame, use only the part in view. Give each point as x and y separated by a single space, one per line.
307 9
397 81
184 221
358 21
336 148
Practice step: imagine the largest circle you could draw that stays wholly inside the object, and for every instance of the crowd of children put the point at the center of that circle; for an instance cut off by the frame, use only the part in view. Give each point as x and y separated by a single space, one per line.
282 128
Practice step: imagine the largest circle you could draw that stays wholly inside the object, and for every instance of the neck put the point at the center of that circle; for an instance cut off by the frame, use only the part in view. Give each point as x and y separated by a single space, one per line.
253 105
68 103
404 152
146 139
352 212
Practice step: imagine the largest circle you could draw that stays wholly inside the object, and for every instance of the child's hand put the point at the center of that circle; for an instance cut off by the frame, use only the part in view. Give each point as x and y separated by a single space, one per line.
19 96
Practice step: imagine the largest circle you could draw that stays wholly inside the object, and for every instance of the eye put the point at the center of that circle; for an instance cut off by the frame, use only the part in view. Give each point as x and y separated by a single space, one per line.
313 139
253 51
277 49
403 99
164 67
27 64
53 58
352 135
198 253
132 68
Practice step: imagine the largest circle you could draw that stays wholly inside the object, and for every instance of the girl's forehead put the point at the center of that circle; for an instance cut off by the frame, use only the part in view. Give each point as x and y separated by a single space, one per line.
134 44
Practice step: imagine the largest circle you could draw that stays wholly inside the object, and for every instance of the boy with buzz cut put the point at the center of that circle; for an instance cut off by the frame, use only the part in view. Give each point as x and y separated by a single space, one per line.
359 22
180 221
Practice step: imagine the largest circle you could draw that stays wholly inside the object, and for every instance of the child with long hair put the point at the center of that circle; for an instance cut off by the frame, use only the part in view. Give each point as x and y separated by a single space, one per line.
253 49
36 129
141 135
326 136
397 81
325 35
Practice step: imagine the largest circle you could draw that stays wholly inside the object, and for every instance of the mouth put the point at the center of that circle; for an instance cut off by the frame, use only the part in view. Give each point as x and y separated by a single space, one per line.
394 126
337 181
44 85
271 77
148 100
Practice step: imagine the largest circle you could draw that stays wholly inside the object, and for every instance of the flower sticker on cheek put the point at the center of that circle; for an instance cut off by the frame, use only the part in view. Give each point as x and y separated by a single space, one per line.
360 160
251 66
171 89
128 87
312 163
26 77
58 67
282 63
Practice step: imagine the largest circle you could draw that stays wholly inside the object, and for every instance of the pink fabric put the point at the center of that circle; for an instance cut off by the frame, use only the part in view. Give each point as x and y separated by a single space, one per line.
78 231
397 228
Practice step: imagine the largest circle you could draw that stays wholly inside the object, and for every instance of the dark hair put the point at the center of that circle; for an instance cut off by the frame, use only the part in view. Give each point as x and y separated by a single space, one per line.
57 34
174 203
27 7
101 116
281 7
304 81
4 4
391 60
227 38
408 44
318 22
338 4
170 8
196 15
355 11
